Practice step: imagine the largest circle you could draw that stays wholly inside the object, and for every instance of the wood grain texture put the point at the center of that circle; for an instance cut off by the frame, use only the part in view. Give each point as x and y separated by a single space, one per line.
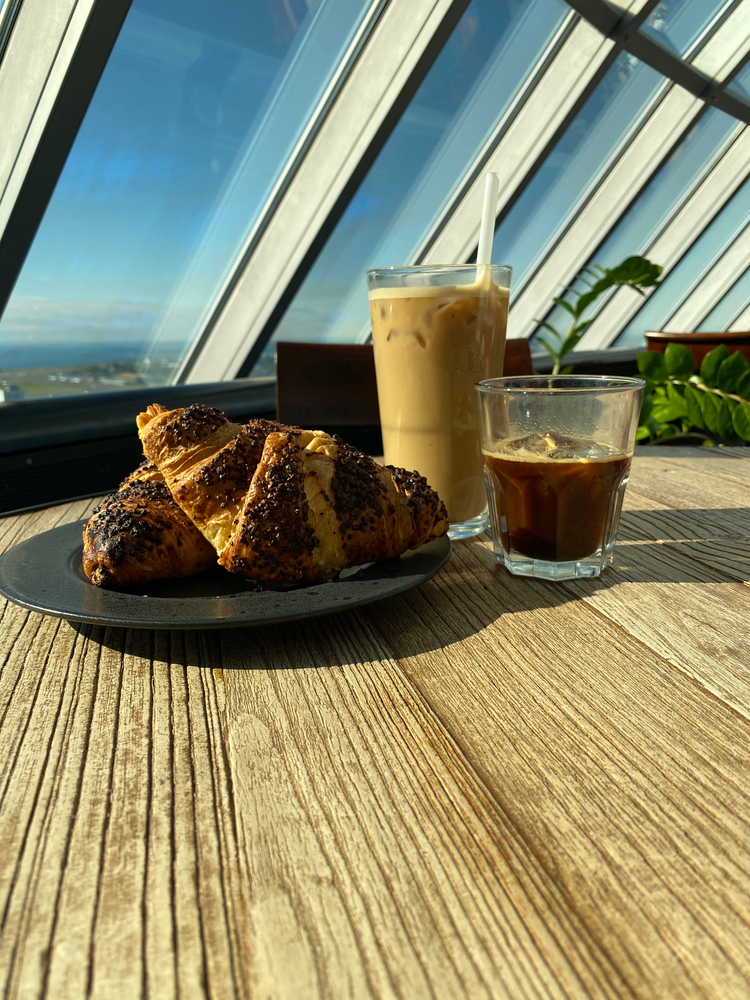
487 787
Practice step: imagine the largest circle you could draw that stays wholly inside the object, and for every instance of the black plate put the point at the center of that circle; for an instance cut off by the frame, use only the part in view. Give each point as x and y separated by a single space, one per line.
45 574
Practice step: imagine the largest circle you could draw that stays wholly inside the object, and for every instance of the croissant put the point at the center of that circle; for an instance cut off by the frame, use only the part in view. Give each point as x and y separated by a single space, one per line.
311 507
207 461
139 534
313 510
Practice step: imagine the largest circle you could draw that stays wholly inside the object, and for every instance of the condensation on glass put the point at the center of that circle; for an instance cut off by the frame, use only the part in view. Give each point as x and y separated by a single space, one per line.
196 114
480 70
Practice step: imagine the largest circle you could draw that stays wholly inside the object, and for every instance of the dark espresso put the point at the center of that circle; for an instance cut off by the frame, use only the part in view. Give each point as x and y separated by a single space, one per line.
554 495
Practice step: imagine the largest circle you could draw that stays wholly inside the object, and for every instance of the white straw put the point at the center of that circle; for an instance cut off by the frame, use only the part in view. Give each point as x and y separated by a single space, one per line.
487 225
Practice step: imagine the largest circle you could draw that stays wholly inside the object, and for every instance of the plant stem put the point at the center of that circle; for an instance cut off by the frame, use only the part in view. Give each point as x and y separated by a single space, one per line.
706 388
559 359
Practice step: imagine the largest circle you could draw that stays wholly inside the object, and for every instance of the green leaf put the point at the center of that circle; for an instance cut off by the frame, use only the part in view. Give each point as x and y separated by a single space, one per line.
642 433
741 420
566 370
548 348
569 343
711 362
730 372
679 360
582 326
547 326
674 392
651 364
725 427
710 406
743 386
646 407
693 404
564 305
665 414
634 271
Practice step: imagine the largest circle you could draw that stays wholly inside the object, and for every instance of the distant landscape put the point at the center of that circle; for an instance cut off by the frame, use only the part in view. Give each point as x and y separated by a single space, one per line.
35 370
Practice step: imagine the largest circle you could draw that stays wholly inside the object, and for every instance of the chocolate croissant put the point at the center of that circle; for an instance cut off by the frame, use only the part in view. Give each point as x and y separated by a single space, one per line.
208 462
313 510
139 534
311 507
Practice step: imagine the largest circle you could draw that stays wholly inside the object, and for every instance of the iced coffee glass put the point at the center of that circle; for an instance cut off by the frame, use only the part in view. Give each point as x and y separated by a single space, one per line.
437 330
557 453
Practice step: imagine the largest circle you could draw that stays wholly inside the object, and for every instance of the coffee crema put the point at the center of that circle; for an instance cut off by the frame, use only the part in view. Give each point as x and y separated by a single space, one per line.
432 344
556 497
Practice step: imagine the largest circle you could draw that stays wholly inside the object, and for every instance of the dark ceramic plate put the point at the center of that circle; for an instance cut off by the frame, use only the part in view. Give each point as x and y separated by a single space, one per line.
45 574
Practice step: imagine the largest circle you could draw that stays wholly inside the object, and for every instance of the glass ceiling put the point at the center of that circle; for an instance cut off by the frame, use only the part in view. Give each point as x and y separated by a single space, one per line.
678 24
204 113
470 85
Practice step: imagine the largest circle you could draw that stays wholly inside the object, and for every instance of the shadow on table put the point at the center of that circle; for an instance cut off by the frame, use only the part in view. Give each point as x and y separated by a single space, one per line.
473 591
698 524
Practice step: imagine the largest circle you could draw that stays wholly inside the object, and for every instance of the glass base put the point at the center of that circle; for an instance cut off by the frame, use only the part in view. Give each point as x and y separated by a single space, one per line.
467 529
543 569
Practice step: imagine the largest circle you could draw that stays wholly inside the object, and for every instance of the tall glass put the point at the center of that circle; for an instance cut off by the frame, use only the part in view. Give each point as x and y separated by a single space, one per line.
557 453
436 331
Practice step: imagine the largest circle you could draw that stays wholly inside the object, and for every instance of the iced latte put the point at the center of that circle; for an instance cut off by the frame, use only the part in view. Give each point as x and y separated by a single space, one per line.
436 333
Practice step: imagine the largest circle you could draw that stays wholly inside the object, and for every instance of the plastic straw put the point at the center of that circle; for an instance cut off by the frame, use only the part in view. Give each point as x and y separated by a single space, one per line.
487 224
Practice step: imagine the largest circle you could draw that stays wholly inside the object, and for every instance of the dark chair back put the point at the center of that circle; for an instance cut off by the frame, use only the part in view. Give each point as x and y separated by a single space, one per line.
332 387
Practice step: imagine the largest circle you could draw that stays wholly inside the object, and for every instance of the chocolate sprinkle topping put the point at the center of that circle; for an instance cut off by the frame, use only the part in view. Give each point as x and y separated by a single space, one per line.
125 523
358 491
276 529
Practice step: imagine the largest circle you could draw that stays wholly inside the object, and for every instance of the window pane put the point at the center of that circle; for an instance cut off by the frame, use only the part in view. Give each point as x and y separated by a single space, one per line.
740 86
196 114
728 309
666 299
466 92
660 200
581 156
677 24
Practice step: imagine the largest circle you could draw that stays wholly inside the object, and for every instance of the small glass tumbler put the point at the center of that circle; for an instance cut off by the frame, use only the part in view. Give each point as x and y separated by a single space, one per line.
437 330
557 453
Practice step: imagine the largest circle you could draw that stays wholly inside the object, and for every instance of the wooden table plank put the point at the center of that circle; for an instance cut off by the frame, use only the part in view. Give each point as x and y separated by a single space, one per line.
488 787
359 815
593 745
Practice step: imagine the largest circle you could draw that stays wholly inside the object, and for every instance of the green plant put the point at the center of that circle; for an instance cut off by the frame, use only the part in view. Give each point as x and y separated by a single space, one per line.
635 272
713 405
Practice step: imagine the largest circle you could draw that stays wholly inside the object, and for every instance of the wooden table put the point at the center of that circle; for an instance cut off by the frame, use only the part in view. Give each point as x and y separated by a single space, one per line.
488 787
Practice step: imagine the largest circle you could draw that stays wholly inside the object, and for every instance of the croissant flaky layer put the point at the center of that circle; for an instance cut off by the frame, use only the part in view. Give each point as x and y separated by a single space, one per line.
140 534
285 505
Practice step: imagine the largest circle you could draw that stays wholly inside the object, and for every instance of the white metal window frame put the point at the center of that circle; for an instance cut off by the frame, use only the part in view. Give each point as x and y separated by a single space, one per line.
53 54
526 130
677 236
375 84
35 61
610 194
644 148
741 321
716 281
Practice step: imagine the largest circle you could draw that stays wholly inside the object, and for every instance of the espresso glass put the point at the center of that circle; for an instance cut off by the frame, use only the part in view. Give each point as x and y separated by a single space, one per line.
557 453
436 331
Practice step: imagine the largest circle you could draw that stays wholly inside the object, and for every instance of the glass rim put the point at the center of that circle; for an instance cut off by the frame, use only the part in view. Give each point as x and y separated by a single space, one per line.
591 383
434 267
